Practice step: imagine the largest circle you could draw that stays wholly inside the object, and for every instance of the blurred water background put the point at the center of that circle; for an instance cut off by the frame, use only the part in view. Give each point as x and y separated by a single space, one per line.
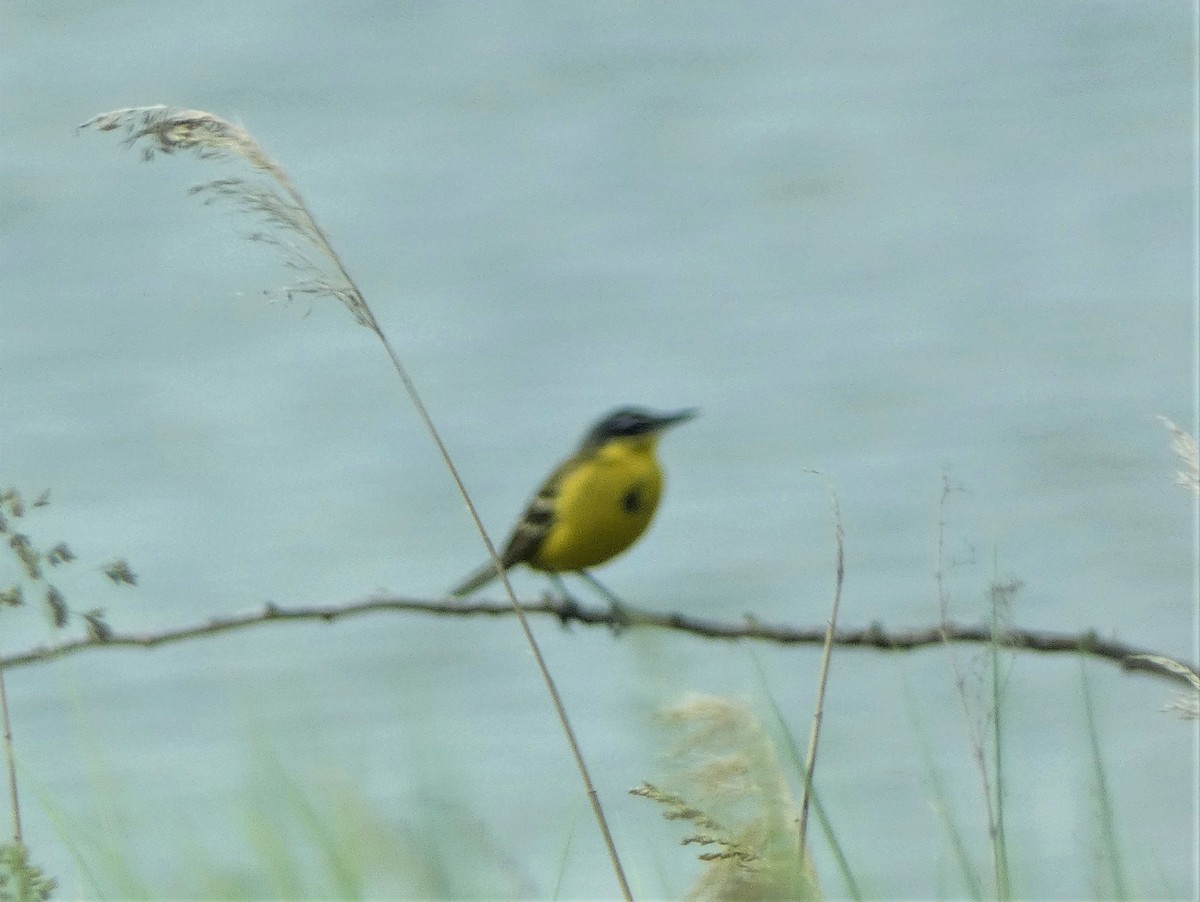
898 243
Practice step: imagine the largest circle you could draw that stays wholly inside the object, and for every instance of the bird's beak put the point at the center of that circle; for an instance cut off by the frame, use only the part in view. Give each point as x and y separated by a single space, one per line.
667 420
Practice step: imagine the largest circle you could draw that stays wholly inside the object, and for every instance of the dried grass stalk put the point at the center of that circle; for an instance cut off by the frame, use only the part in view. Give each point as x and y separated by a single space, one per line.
269 196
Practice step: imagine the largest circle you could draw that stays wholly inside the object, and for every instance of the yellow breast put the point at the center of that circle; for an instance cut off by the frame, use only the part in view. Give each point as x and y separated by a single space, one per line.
602 506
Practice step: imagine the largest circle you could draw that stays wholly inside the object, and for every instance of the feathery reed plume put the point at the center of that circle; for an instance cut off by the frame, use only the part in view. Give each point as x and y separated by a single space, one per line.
291 227
1188 705
727 782
1184 445
272 200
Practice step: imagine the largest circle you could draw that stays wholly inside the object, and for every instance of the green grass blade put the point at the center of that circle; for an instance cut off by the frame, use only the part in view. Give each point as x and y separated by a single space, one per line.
1110 848
853 890
941 803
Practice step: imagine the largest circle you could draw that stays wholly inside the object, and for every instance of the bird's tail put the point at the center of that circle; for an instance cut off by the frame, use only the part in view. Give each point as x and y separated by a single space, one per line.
475 581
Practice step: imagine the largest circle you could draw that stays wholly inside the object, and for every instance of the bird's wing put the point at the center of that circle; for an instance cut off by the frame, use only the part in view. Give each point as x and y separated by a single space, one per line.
527 536
535 522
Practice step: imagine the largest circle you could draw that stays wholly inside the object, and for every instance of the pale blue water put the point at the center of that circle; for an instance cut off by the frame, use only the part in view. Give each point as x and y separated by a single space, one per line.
880 240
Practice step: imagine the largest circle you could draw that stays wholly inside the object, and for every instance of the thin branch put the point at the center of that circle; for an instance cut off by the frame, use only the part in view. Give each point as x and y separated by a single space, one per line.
873 637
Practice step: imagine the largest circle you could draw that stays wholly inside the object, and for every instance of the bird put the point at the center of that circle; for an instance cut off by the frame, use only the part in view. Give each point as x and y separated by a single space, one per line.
594 505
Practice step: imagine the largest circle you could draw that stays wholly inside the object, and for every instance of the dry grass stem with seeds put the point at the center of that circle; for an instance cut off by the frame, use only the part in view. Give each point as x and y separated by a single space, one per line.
272 199
810 764
980 723
19 878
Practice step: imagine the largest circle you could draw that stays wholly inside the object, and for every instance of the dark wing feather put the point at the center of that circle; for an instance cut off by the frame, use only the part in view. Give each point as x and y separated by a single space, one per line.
526 536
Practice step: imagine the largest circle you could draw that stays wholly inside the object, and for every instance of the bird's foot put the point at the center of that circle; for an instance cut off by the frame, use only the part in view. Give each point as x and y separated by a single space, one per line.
565 606
565 609
619 619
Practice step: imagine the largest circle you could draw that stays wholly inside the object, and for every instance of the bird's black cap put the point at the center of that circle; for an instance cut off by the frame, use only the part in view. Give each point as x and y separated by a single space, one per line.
627 422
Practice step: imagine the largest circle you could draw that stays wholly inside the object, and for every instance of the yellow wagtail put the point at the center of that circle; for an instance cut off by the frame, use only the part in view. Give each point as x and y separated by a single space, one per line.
594 505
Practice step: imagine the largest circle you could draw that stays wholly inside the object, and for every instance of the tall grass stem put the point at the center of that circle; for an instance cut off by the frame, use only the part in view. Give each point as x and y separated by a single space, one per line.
10 762
999 842
814 736
287 217
1108 827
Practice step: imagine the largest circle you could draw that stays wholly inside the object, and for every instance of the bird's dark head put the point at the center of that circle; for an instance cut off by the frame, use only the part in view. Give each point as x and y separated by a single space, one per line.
632 422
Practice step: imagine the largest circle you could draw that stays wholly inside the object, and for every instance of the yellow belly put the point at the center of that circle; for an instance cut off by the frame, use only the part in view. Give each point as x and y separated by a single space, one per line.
601 509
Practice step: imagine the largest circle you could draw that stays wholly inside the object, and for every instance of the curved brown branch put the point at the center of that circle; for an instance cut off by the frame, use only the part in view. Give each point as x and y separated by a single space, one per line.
874 637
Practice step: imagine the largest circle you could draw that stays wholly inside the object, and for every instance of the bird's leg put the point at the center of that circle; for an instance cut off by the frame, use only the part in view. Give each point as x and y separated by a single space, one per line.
569 607
616 606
